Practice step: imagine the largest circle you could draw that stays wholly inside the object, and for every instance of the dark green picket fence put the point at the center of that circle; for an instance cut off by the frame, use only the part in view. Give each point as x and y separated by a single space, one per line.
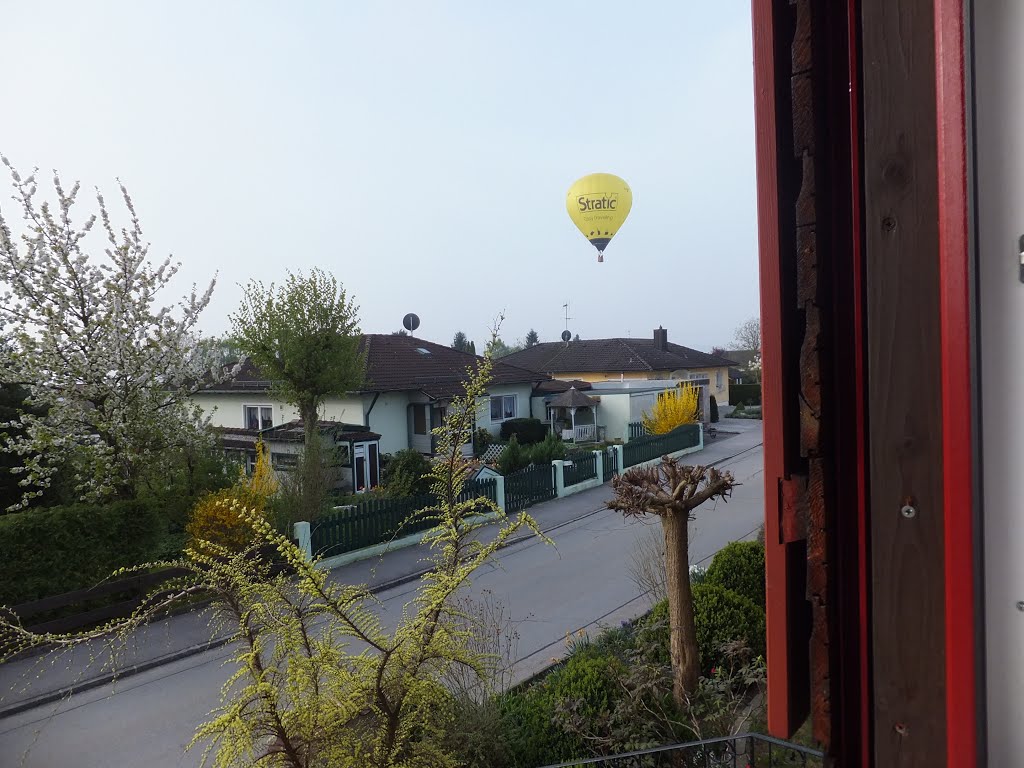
637 429
529 486
377 520
655 446
583 467
608 464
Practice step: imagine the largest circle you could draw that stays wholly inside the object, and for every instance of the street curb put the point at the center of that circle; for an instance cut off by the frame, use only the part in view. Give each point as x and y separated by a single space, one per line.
193 650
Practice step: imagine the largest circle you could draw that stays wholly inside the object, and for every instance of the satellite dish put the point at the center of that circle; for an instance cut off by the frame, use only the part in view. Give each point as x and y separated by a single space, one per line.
411 322
566 335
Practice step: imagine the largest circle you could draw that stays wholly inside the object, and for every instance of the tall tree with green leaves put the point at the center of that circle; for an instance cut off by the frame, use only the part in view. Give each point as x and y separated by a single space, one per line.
460 342
532 339
497 348
304 336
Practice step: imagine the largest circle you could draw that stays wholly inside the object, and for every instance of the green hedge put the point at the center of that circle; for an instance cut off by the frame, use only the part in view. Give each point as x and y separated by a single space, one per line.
721 616
588 679
54 550
527 431
747 394
739 566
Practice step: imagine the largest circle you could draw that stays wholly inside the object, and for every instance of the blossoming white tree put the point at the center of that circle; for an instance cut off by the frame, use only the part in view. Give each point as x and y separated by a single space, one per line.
108 366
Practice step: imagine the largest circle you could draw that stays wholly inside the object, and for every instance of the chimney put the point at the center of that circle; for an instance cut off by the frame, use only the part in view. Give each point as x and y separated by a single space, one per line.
660 338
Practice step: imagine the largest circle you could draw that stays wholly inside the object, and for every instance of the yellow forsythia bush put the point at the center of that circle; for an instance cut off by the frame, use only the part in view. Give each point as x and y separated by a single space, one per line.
673 408
217 516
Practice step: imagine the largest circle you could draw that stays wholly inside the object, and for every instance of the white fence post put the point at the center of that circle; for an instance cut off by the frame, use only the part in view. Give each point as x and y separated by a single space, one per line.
302 532
599 458
499 492
559 466
700 437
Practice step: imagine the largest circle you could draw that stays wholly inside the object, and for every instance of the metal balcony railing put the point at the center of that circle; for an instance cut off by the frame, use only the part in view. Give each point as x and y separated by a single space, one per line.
747 750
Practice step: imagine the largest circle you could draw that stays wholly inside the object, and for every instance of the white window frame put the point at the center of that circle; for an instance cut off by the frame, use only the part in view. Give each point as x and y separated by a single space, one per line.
259 416
718 379
504 400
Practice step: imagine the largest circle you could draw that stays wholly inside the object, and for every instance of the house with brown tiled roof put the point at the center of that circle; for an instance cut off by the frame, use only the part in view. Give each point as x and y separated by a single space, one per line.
409 384
600 360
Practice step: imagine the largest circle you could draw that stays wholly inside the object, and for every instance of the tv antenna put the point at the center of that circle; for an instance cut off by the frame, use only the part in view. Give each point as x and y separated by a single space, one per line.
567 318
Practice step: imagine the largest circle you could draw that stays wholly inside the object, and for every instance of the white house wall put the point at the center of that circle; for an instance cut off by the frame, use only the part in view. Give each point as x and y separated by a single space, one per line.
390 419
613 415
347 410
538 408
641 403
228 409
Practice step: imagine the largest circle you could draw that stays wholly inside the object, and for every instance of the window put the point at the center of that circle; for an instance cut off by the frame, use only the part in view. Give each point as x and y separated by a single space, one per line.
718 379
259 417
503 407
419 419
284 461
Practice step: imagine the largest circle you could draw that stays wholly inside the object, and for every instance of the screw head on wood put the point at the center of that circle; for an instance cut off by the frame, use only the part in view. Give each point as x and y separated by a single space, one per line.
908 511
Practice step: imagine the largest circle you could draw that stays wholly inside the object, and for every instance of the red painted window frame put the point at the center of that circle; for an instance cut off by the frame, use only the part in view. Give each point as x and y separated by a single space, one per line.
780 717
957 428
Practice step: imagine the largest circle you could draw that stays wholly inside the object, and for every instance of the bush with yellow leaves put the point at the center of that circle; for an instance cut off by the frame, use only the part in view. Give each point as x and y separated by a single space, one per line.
216 517
673 408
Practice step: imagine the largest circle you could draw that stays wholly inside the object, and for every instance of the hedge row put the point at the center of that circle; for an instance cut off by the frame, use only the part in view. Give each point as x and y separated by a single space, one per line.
747 394
526 431
721 616
53 550
739 567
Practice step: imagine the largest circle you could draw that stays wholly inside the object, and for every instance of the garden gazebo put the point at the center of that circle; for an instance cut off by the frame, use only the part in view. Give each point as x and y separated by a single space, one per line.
573 400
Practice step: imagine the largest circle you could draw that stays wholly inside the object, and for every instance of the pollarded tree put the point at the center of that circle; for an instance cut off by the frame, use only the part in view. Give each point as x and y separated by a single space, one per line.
107 369
304 336
672 491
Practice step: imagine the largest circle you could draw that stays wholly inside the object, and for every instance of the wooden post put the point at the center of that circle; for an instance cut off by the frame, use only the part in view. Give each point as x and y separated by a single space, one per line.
904 379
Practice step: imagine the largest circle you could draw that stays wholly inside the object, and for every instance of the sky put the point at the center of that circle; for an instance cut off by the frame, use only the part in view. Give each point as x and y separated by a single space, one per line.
420 152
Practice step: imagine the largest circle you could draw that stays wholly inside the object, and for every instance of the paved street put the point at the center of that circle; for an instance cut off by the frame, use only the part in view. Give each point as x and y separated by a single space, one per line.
581 582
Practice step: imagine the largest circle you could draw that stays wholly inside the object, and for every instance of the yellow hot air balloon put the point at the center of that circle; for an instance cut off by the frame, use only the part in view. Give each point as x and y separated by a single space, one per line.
598 204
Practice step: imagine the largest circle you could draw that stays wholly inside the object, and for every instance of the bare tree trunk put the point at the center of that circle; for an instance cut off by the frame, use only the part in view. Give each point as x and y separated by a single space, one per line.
312 482
308 412
683 636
